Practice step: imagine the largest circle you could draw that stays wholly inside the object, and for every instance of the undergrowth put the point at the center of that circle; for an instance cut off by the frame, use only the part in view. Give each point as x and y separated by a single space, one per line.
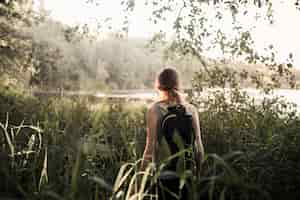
63 149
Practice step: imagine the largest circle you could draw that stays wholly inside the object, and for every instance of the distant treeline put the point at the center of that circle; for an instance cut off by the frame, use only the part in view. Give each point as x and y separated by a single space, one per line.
47 54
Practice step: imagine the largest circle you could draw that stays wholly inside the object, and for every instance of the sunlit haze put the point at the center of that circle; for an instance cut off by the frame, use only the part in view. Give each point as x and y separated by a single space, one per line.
283 33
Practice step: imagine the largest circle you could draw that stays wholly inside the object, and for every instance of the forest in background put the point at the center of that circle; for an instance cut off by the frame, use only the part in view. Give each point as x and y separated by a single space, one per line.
42 53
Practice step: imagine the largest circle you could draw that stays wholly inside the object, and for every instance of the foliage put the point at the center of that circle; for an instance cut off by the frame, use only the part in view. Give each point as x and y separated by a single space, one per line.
47 71
78 143
231 121
53 55
218 27
65 150
15 47
22 57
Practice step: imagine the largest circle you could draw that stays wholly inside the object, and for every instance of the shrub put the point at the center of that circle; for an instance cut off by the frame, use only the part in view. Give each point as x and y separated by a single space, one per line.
67 149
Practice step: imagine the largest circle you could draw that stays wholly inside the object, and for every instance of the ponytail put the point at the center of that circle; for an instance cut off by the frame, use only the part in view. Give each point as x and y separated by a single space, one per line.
173 93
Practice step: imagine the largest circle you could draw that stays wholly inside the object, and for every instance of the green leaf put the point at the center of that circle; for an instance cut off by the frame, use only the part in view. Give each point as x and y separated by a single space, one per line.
164 151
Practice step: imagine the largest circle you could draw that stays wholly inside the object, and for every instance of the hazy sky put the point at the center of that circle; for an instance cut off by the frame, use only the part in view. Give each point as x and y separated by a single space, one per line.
284 33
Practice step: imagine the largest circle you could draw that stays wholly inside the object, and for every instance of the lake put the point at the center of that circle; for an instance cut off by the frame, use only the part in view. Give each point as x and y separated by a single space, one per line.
292 96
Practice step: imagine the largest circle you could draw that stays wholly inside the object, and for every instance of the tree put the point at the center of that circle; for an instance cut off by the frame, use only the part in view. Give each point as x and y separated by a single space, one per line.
199 28
15 47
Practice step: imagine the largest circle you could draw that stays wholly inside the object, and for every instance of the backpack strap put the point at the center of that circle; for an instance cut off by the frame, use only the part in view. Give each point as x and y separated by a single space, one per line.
167 117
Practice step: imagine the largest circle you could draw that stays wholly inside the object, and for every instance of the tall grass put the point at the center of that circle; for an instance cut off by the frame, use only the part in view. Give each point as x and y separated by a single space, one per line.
267 132
63 149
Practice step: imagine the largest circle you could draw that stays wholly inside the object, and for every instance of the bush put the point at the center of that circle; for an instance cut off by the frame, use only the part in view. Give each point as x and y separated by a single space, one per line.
65 149
79 143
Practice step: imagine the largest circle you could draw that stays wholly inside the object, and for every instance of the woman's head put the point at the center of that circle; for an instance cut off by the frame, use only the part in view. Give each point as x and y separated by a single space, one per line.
168 83
168 80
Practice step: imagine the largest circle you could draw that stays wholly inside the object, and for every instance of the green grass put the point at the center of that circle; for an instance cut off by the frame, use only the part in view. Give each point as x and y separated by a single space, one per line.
64 149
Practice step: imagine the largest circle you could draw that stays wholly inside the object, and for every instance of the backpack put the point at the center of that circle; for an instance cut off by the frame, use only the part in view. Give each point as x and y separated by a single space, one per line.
176 132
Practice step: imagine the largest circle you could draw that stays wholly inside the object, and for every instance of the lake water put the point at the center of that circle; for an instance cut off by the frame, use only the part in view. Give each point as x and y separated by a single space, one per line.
289 95
292 96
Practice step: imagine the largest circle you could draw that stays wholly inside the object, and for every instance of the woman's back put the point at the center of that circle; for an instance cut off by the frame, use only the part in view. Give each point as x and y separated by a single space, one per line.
167 133
174 132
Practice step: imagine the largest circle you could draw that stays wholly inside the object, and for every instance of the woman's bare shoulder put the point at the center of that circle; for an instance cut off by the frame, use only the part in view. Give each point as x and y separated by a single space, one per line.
153 107
158 108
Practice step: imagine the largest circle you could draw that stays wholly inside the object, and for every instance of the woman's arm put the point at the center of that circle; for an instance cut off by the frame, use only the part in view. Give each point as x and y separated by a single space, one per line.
150 139
198 140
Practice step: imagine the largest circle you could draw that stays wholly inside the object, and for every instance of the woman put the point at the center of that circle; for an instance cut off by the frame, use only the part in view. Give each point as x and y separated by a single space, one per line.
168 86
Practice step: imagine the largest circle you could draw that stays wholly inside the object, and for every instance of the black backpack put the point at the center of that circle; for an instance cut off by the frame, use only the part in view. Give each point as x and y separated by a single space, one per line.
177 130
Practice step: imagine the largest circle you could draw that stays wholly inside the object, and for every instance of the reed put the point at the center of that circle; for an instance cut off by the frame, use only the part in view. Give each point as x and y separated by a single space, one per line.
64 149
